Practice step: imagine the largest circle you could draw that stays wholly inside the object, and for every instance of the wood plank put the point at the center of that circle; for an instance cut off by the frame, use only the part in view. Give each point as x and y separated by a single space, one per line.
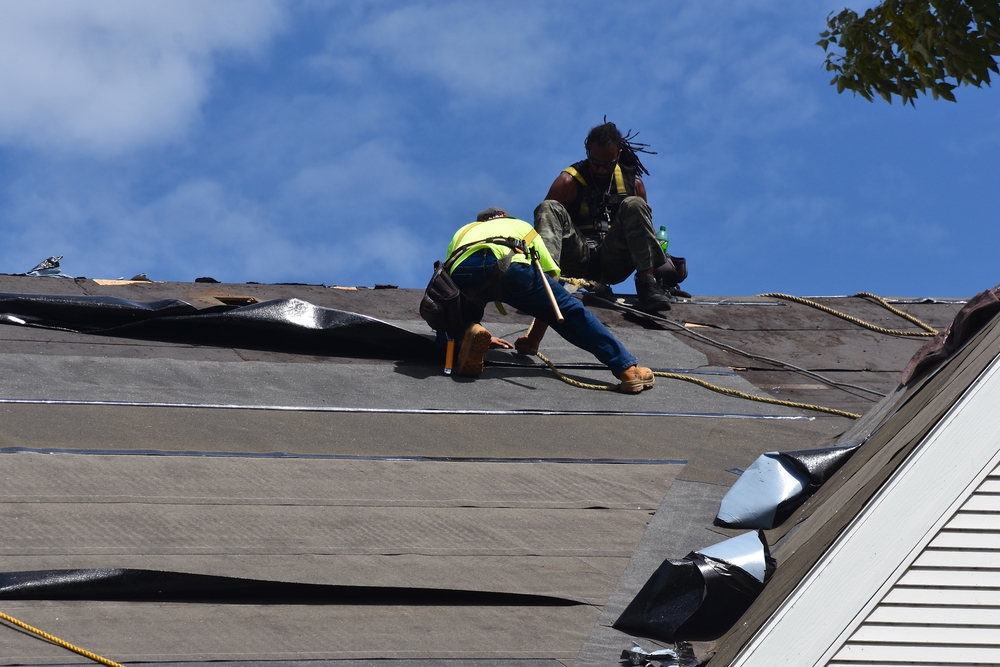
129 528
134 632
195 480
587 579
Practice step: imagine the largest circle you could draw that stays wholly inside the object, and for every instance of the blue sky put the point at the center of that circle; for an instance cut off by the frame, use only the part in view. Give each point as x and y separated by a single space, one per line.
343 142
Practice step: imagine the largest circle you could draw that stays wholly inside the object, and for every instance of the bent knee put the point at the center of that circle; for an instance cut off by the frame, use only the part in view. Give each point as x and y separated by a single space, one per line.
551 207
634 203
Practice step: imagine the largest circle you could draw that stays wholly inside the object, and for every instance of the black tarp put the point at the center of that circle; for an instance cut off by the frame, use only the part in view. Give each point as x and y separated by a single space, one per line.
136 585
280 325
697 598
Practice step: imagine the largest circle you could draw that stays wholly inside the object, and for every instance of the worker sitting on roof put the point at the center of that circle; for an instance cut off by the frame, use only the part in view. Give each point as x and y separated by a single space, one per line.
597 224
475 272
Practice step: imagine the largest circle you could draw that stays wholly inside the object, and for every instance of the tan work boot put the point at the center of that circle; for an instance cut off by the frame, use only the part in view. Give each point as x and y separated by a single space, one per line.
471 353
635 379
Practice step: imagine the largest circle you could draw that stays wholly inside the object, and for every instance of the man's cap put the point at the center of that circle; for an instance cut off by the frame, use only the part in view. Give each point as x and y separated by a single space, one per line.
490 213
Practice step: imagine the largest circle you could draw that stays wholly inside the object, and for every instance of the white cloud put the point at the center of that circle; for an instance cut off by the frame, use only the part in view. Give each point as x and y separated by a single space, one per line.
475 50
108 76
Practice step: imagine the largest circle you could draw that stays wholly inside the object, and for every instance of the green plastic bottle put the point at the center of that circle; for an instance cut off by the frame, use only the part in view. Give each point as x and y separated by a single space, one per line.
661 236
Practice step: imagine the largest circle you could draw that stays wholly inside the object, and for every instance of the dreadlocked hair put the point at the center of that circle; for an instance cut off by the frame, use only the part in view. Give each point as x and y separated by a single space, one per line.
607 134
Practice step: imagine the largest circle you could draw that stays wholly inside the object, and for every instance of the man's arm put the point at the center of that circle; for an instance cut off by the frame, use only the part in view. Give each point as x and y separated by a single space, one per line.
528 344
563 189
640 189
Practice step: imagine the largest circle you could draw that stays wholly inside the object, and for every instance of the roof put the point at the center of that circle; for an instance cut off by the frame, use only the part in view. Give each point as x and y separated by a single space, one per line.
302 463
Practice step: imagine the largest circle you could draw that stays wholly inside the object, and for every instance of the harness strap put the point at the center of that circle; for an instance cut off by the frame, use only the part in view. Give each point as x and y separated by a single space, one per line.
468 228
576 174
491 291
619 178
517 245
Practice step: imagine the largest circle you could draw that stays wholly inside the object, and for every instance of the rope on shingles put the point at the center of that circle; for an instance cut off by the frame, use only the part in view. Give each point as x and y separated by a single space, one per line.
59 642
927 329
706 385
680 328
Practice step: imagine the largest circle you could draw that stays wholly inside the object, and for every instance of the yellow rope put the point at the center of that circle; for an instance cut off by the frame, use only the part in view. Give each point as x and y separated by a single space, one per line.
927 329
759 399
702 383
55 640
885 304
576 383
597 288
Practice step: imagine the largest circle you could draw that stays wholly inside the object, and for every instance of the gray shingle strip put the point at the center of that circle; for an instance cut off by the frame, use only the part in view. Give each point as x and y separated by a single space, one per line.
375 385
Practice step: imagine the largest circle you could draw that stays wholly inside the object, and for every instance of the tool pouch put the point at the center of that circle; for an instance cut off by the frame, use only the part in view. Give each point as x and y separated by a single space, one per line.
672 272
441 305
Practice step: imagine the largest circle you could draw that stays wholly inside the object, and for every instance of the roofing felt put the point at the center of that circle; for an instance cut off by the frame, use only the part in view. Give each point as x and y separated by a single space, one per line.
327 468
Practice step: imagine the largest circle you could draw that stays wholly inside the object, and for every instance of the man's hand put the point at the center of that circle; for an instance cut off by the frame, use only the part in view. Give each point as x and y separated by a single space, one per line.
524 345
500 343
528 345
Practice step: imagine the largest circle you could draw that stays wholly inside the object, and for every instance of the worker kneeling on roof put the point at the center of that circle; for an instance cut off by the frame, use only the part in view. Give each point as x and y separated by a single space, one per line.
493 271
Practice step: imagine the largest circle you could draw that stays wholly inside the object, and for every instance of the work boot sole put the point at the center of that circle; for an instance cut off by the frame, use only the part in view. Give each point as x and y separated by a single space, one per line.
473 351
635 386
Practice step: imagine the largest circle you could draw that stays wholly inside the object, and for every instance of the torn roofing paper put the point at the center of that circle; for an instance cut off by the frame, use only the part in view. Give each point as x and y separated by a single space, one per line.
699 597
137 585
283 325
776 484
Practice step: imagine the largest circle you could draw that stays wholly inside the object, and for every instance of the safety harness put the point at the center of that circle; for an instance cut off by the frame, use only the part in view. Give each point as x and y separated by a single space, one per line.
441 305
595 223
491 289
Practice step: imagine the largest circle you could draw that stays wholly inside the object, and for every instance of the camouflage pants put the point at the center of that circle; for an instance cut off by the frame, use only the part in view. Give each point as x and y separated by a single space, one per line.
631 244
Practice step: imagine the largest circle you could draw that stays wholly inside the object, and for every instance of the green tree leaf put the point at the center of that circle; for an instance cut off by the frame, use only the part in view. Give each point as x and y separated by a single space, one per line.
911 47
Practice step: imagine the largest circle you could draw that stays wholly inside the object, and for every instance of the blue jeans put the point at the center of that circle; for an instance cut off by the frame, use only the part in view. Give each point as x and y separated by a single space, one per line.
522 288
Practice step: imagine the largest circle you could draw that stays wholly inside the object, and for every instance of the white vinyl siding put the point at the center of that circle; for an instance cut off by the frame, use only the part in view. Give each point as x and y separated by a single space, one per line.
945 609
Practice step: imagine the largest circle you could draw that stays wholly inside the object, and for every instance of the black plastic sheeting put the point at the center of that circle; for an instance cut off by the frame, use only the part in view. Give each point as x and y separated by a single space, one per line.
697 598
279 325
134 585
820 464
777 483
